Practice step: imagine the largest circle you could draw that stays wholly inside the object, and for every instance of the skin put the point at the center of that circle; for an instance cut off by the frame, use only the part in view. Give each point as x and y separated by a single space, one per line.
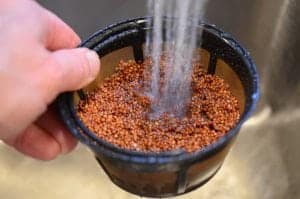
38 60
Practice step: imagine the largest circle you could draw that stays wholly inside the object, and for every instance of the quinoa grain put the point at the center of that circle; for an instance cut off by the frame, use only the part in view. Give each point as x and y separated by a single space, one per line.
118 112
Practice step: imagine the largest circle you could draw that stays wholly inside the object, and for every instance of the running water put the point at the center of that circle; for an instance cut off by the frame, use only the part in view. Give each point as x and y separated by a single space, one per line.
173 94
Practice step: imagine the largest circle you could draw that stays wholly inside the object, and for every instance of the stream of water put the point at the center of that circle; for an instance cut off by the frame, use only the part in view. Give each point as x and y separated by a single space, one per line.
182 34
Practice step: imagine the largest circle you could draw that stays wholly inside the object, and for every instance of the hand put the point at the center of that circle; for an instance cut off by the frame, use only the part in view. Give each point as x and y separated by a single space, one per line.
37 62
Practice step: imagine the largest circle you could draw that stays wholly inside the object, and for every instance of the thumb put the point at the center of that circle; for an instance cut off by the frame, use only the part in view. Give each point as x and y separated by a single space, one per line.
69 70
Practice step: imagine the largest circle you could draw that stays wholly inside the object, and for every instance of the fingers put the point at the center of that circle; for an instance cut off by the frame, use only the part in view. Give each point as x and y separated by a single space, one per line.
45 139
37 143
50 123
59 34
68 70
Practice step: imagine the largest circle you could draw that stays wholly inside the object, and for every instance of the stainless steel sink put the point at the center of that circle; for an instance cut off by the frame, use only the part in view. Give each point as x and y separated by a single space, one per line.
264 161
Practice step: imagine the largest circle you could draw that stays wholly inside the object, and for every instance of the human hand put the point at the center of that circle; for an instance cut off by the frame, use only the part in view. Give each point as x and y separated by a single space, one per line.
37 62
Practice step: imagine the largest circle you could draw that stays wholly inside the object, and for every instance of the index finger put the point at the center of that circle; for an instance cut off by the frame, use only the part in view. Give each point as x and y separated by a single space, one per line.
59 35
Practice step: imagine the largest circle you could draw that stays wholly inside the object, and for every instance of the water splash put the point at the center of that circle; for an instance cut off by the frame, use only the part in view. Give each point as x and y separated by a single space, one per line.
174 21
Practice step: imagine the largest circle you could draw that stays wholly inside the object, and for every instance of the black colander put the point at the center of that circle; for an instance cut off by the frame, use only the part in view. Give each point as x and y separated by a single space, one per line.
168 173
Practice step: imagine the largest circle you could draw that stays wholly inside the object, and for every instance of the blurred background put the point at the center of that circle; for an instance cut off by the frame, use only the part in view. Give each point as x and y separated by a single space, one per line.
263 163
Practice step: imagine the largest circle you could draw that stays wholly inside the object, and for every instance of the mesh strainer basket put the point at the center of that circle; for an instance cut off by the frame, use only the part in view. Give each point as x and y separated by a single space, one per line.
174 172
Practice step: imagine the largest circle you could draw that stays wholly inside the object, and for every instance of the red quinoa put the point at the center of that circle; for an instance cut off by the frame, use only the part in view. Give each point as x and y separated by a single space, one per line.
118 112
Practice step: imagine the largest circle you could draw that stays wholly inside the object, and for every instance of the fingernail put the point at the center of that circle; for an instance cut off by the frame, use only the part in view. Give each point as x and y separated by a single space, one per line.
94 63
